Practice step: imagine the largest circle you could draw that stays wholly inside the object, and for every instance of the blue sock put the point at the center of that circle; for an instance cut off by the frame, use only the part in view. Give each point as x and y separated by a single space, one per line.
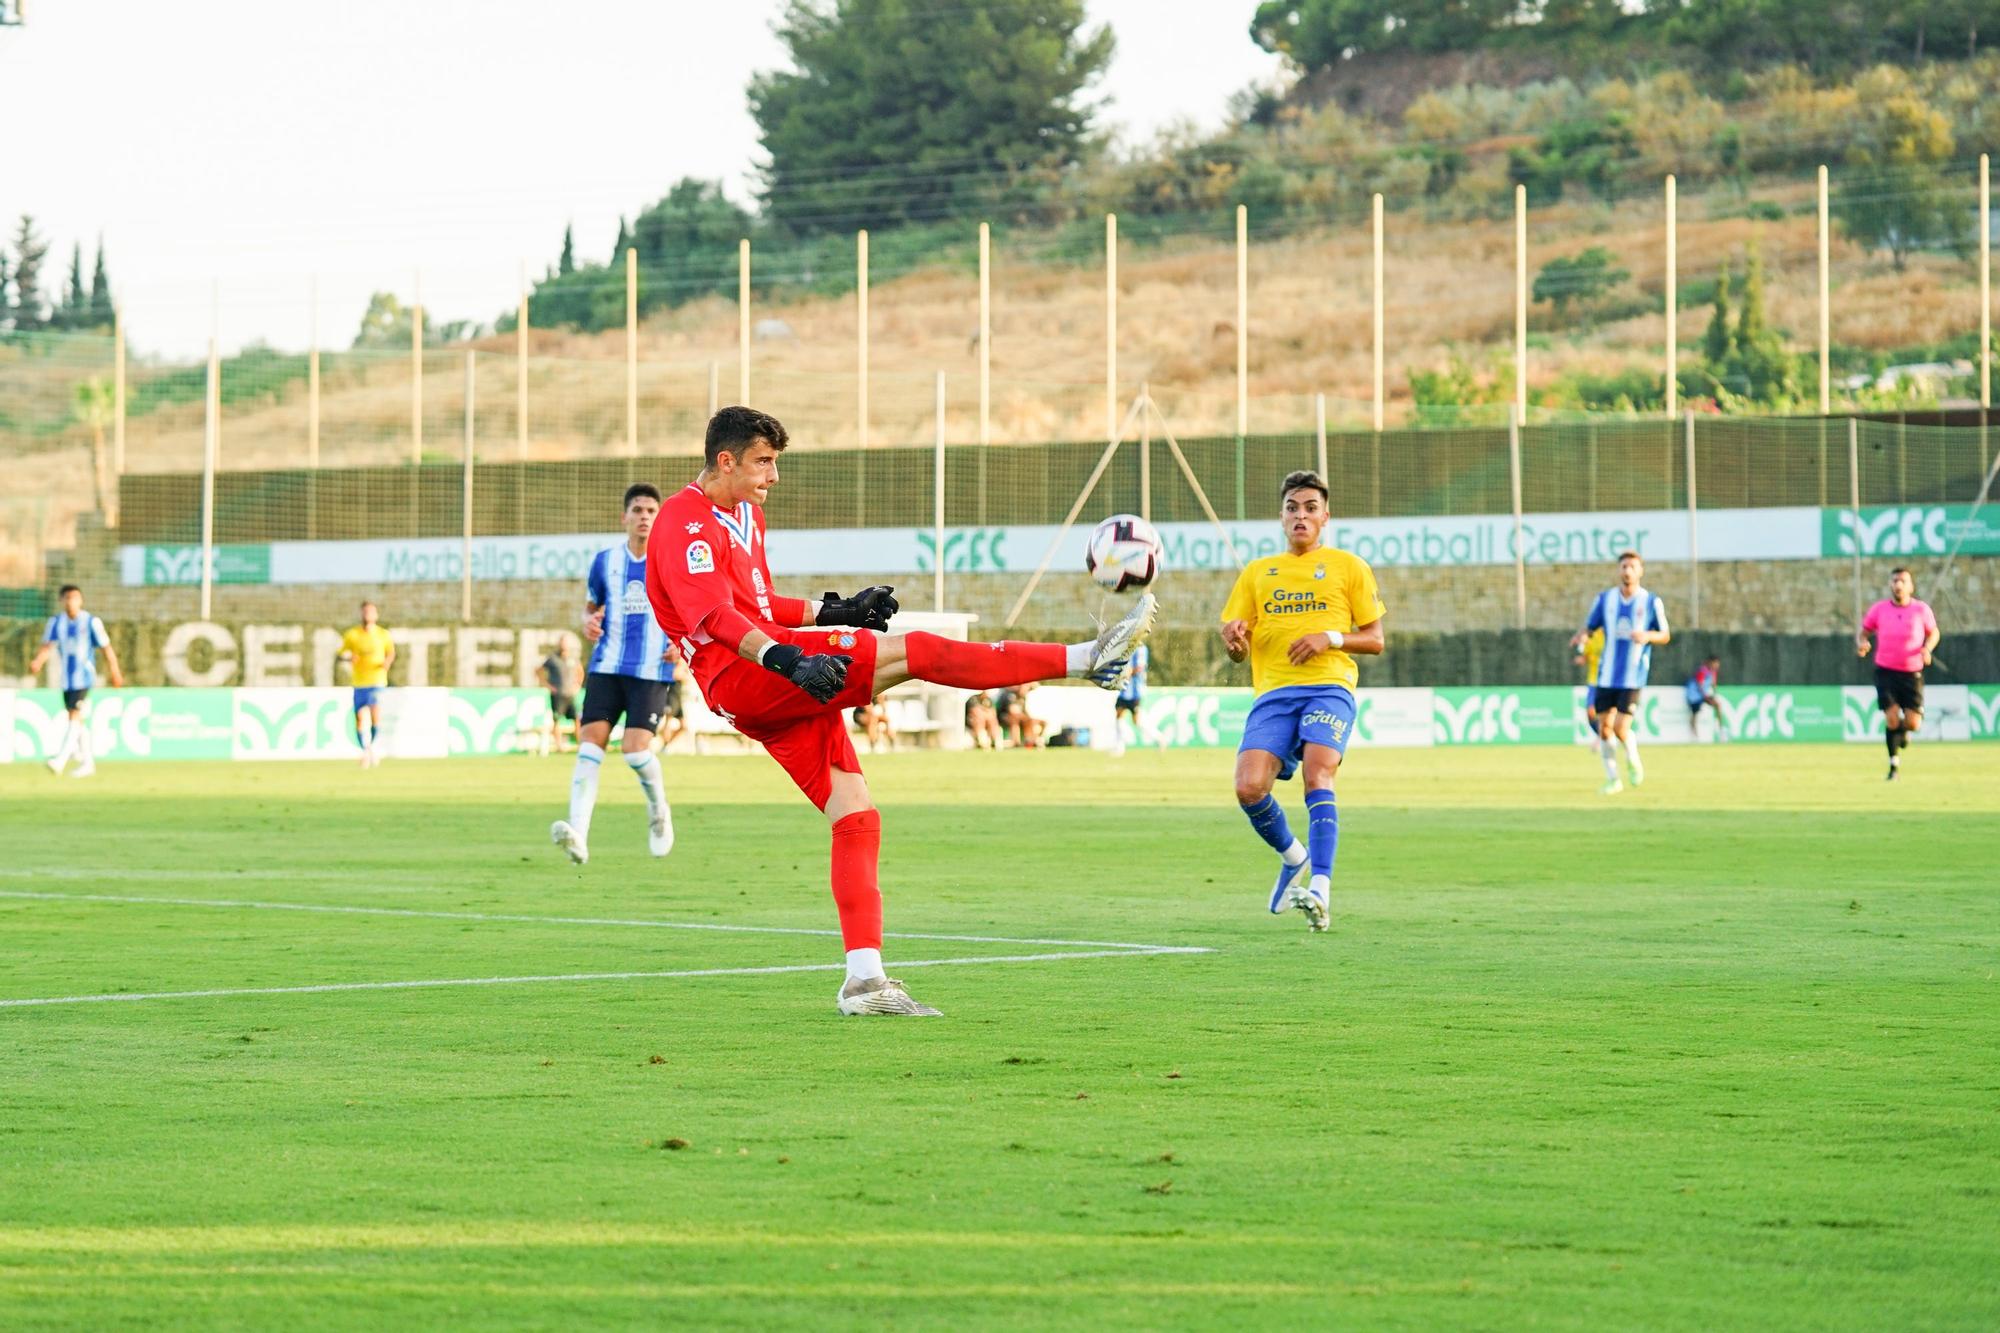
1322 830
1268 818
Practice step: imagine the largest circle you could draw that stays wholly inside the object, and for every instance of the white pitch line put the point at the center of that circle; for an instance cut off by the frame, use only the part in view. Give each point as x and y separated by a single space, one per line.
333 987
339 909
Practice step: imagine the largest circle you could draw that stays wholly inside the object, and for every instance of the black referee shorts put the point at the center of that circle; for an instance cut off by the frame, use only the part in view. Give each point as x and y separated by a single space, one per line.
1905 689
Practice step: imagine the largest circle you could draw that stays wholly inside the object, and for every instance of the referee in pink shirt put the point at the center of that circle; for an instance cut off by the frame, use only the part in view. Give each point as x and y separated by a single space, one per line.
1906 633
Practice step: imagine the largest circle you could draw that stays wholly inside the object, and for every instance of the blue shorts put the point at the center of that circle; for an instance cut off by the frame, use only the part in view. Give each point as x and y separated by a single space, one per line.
367 696
1287 720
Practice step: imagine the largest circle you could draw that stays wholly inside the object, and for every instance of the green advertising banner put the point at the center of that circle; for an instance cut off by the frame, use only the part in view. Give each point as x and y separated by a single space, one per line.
128 724
1984 706
1891 530
1783 712
176 566
1537 715
1184 718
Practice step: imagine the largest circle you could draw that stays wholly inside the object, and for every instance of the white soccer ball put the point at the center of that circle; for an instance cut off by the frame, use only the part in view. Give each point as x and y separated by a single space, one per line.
1124 553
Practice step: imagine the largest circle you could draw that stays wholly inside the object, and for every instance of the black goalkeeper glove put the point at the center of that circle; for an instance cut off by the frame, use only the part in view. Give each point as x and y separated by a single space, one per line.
868 609
822 675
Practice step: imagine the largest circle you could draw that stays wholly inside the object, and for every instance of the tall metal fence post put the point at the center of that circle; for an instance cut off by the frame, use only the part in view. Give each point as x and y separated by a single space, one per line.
937 504
1146 452
1854 504
985 334
861 338
1825 302
1375 209
631 350
1514 478
1111 327
714 387
1319 433
117 393
1673 299
521 373
743 321
417 382
211 448
1694 527
1985 305
1242 345
1521 301
465 496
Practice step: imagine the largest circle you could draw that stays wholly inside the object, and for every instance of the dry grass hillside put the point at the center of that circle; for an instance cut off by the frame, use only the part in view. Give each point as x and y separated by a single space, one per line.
1450 291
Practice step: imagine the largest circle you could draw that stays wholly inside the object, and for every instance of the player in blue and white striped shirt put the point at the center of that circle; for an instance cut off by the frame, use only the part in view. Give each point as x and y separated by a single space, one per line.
75 637
1633 621
629 675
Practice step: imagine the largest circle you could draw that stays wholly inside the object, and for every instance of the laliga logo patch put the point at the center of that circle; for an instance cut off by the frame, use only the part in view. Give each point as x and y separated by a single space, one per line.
701 560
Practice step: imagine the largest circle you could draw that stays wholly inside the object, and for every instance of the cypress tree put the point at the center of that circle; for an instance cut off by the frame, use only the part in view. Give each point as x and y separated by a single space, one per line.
102 309
1717 341
567 264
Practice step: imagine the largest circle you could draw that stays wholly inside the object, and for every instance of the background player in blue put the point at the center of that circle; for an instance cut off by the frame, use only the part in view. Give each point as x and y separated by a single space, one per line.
627 676
75 636
1130 696
1633 621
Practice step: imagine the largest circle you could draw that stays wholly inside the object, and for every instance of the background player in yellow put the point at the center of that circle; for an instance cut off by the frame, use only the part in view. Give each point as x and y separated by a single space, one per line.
1586 657
1300 617
367 649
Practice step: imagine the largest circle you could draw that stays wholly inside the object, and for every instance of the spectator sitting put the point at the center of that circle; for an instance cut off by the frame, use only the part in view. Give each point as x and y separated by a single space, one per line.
1022 728
982 722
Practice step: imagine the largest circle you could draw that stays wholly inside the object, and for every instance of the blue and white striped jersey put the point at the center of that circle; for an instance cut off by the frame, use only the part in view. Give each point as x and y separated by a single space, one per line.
1625 663
1135 681
633 642
77 641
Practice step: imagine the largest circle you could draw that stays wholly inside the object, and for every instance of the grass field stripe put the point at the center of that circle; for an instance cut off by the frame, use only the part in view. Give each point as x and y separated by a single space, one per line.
335 987
343 909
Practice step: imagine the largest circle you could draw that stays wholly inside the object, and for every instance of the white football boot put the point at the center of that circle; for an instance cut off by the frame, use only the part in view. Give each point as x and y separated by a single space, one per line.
1312 904
660 832
567 838
86 769
880 995
1291 879
1116 642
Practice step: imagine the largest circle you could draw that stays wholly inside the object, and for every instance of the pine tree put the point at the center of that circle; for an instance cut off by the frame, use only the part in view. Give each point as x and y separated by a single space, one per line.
29 251
1750 324
103 311
6 298
1716 342
74 310
567 264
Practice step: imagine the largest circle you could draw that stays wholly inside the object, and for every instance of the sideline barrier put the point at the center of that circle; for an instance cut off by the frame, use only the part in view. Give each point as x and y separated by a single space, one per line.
437 723
1553 715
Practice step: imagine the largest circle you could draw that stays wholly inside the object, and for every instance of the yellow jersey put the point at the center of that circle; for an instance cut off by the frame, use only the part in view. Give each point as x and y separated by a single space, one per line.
1284 596
369 646
1593 648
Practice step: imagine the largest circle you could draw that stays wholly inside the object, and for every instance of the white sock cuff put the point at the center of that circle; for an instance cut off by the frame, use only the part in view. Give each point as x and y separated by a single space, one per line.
638 759
1076 660
587 750
863 964
1295 855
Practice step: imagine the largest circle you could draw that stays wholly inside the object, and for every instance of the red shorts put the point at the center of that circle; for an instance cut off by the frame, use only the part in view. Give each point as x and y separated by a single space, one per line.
808 738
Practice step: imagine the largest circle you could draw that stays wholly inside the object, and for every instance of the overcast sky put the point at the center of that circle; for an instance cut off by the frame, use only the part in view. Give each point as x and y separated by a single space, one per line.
256 143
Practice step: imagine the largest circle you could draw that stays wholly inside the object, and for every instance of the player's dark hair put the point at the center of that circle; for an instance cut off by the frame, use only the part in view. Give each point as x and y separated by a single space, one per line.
734 429
1902 569
1623 556
638 489
1304 481
1711 659
67 589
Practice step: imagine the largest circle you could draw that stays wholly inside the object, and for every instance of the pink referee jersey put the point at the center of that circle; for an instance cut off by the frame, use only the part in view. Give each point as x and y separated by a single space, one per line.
1900 632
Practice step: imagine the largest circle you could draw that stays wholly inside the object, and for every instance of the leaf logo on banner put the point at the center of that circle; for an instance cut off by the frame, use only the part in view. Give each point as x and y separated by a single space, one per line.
290 728
1985 714
37 731
968 551
1478 719
1759 715
494 729
173 565
1903 530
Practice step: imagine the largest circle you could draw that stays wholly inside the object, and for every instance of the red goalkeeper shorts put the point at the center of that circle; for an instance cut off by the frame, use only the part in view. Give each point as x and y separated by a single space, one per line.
808 738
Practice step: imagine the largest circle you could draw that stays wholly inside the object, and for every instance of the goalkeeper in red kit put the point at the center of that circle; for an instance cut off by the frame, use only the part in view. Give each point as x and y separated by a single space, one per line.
784 671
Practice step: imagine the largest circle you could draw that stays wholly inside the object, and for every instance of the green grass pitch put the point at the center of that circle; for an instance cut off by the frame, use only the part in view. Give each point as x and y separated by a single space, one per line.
1720 1052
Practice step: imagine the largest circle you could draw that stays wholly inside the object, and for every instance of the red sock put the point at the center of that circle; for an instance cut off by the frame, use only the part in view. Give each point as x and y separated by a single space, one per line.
983 666
857 847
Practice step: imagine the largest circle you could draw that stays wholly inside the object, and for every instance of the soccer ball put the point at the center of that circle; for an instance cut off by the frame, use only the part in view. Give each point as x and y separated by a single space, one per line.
1124 553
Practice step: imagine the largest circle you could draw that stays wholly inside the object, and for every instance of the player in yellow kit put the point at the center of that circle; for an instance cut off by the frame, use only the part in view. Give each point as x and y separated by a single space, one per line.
367 649
1593 648
1300 617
